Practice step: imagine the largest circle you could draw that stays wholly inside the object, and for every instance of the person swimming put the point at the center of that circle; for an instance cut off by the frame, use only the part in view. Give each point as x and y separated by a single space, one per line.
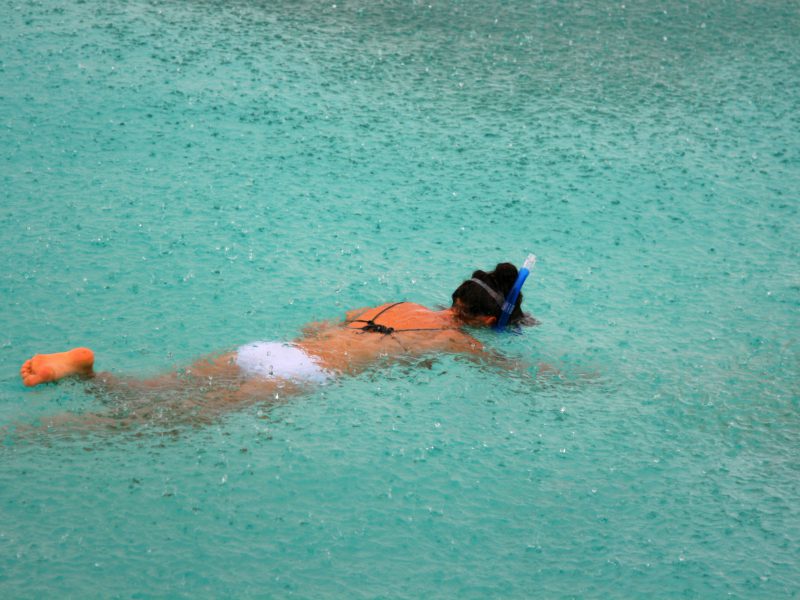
324 351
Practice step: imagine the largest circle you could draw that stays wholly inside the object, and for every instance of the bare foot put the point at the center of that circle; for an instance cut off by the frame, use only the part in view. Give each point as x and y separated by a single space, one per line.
43 368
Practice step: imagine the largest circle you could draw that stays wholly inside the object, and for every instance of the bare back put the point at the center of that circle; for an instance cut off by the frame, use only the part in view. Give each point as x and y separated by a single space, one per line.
397 330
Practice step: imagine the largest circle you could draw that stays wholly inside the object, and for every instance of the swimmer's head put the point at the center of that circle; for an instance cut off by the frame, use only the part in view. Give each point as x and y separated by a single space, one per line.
479 300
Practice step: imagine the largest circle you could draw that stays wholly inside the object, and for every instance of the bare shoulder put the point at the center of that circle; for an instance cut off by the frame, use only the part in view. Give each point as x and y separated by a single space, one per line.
455 340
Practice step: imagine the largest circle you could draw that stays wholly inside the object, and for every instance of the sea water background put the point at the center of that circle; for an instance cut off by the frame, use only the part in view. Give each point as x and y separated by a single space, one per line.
180 177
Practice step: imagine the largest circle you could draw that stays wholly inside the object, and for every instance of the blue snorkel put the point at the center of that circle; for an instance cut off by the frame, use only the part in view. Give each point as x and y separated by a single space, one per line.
513 294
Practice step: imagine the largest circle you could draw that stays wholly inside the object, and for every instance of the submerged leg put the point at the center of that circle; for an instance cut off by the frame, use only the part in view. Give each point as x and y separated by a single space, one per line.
48 368
215 376
197 394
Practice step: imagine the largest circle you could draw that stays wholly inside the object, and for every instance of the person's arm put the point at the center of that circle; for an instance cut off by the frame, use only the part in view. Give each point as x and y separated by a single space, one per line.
466 346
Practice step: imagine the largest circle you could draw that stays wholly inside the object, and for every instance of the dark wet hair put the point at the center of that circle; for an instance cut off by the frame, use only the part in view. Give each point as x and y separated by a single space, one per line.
478 301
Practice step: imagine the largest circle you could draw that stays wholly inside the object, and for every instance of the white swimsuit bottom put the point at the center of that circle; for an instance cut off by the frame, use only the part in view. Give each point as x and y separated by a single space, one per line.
282 361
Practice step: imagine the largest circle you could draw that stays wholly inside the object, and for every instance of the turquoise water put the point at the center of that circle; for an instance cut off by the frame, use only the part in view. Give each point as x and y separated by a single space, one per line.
177 178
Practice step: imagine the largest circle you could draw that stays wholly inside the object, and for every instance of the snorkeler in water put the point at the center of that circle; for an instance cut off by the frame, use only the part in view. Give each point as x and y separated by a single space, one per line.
324 351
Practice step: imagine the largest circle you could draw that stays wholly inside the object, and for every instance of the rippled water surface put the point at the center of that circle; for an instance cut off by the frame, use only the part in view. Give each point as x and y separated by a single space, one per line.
180 177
